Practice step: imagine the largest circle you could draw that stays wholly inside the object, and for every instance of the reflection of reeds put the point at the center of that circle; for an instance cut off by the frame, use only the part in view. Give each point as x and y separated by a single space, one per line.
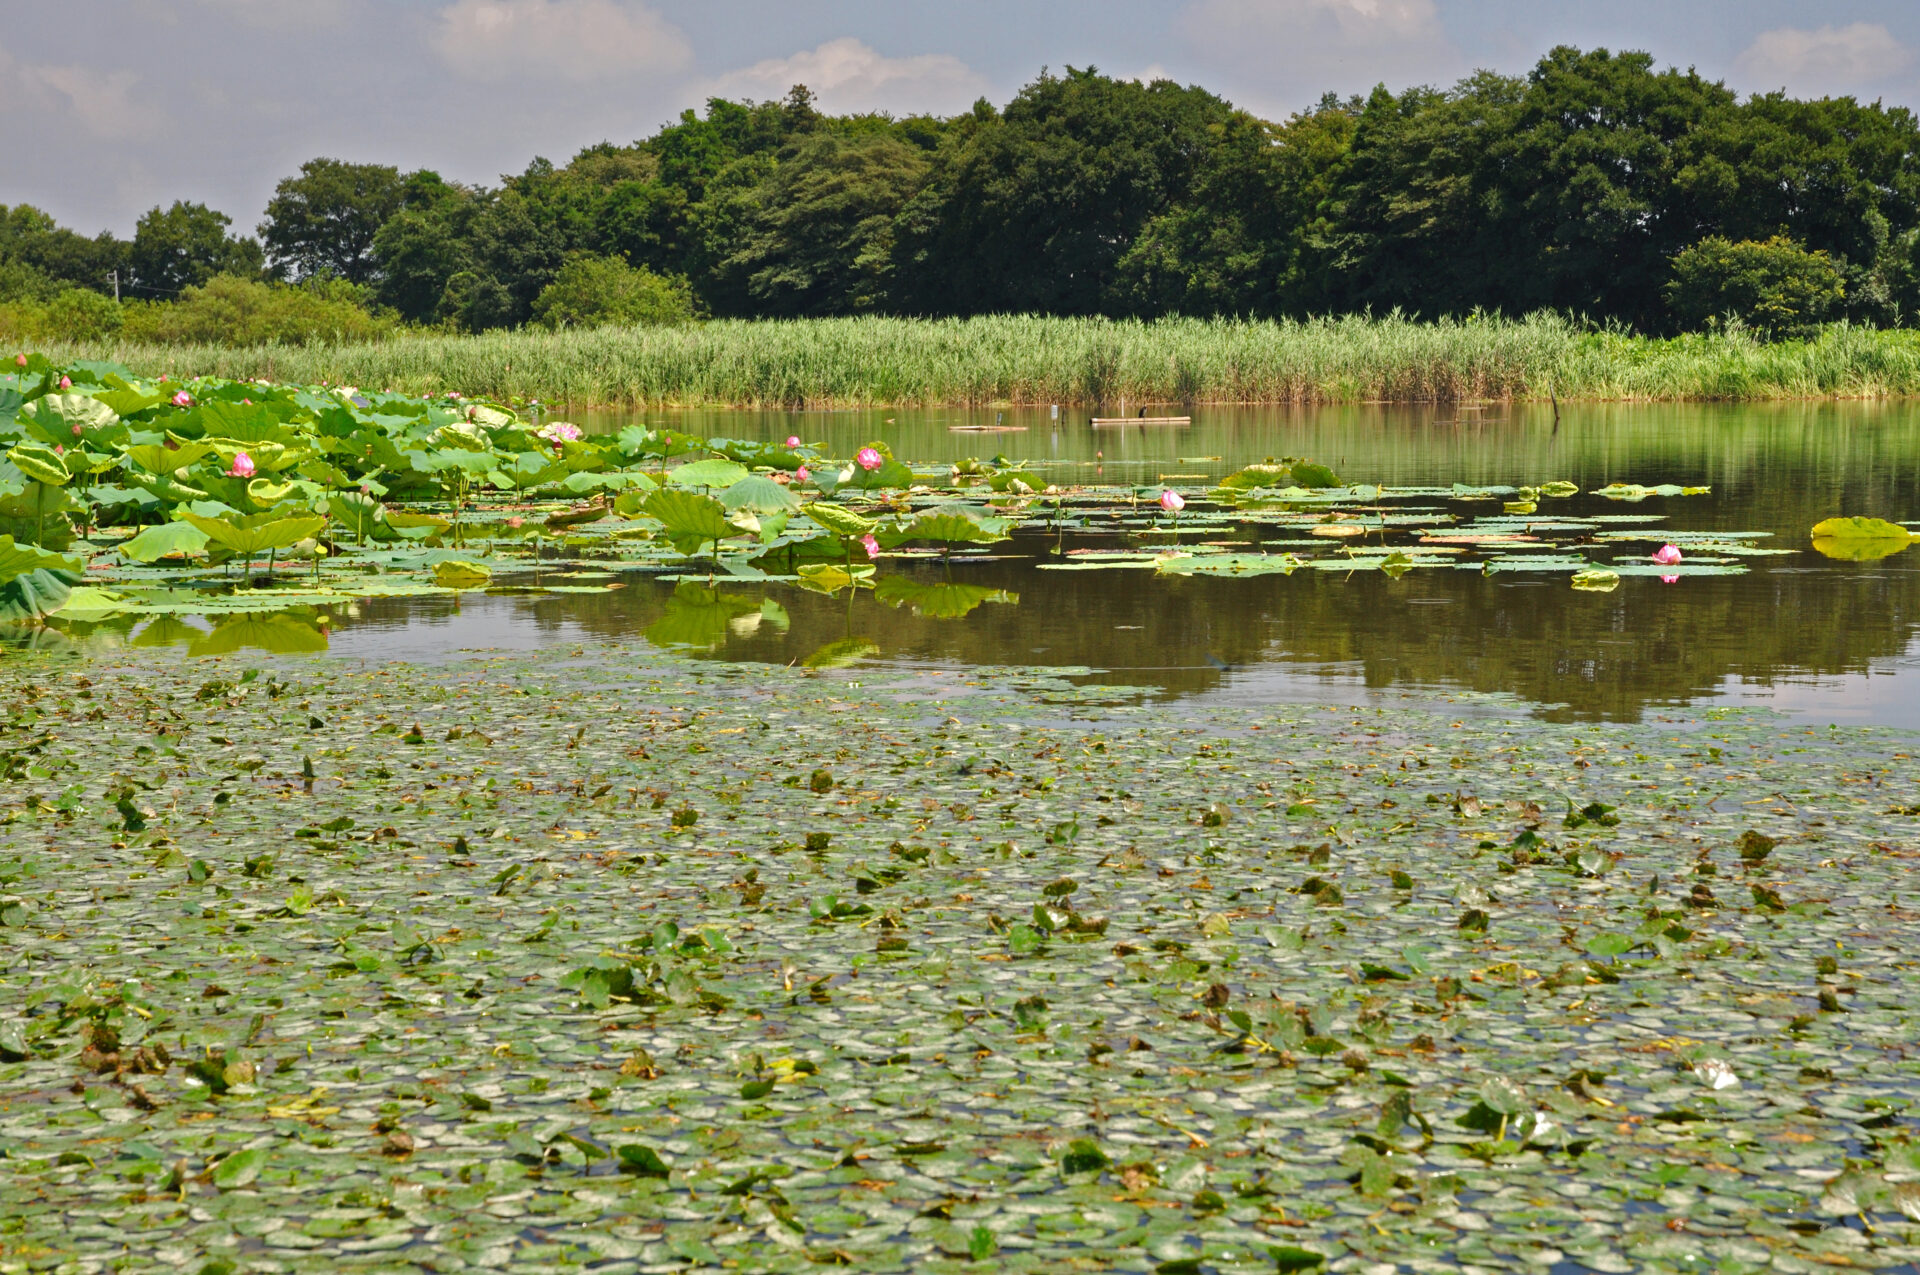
1018 359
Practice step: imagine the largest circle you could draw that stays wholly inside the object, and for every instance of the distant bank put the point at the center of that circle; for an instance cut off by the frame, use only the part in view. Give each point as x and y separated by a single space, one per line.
1021 360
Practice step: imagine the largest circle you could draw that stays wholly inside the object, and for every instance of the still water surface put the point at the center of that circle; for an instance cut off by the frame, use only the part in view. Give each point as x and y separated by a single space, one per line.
1834 641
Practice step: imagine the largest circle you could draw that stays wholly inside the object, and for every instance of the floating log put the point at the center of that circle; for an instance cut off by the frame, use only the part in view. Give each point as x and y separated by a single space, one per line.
986 429
1115 422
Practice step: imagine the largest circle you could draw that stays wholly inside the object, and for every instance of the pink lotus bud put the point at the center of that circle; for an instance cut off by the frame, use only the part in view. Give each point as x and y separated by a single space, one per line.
76 431
59 449
183 399
869 459
242 466
1171 501
246 402
66 382
793 440
871 545
801 475
516 522
1667 555
19 360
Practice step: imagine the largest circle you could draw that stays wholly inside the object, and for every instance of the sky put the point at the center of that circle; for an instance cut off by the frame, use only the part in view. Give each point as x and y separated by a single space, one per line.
111 107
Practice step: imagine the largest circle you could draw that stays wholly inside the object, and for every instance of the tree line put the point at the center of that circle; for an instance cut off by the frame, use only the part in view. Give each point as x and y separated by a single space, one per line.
1596 184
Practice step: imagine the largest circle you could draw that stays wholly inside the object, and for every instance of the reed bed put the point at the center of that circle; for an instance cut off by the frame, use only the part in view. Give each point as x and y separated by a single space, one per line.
1023 360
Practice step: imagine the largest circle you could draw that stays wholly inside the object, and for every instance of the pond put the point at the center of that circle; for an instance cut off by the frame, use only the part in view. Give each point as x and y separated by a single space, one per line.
1798 632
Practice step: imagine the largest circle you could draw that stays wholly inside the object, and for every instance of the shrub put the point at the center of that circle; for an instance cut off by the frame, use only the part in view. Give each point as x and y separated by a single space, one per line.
1776 287
592 291
229 310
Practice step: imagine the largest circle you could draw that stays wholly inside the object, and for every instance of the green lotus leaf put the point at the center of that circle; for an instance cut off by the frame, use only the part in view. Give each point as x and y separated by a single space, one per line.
1596 581
949 526
840 520
760 495
708 473
456 574
40 463
256 534
33 582
67 418
165 540
831 577
689 517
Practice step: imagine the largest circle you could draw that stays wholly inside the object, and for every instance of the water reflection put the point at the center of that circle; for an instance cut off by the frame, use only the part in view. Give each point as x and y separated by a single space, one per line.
1834 638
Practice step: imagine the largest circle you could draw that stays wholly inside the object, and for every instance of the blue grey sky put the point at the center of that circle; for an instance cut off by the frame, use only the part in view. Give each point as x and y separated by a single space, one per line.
112 106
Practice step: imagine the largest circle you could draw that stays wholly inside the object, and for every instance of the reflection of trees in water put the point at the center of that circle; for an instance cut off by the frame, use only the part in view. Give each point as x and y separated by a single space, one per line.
1777 468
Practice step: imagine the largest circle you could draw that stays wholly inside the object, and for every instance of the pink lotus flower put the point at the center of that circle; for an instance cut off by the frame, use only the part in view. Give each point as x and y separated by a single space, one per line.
66 382
801 475
242 466
793 440
1171 501
560 432
1669 579
869 459
516 522
871 545
183 399
1667 555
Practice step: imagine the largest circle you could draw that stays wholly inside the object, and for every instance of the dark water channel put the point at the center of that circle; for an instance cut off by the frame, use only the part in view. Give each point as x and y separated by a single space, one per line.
1833 640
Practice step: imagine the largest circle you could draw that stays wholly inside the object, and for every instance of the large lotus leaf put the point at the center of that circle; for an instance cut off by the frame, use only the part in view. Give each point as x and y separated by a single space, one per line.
840 520
708 473
259 533
690 515
37 514
523 471
1258 476
1237 564
890 474
361 515
65 419
949 526
1848 532
760 495
158 458
757 454
462 436
606 480
40 463
130 401
155 543
938 601
250 424
456 574
33 582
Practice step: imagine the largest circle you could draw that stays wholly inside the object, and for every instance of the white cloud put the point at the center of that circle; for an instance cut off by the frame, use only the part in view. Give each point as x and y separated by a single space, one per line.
1851 59
1287 52
577 40
848 75
100 103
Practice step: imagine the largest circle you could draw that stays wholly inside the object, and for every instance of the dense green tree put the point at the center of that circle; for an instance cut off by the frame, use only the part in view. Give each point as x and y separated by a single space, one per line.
1236 245
820 240
184 246
48 257
1033 208
592 291
324 220
1776 287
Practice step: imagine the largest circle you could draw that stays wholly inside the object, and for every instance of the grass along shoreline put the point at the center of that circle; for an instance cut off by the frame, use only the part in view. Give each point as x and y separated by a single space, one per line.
1025 360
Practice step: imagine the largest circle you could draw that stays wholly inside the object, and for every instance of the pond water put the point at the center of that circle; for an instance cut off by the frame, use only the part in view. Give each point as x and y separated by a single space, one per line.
1830 640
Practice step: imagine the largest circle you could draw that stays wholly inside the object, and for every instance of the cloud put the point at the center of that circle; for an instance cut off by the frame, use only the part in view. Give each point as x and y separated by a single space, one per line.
1850 59
575 40
278 14
1290 51
100 104
847 75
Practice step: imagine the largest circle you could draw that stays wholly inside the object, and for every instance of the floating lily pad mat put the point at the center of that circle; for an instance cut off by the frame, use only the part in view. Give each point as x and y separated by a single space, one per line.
605 960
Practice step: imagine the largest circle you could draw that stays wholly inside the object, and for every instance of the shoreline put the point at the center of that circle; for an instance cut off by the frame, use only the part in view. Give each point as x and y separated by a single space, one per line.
1003 362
